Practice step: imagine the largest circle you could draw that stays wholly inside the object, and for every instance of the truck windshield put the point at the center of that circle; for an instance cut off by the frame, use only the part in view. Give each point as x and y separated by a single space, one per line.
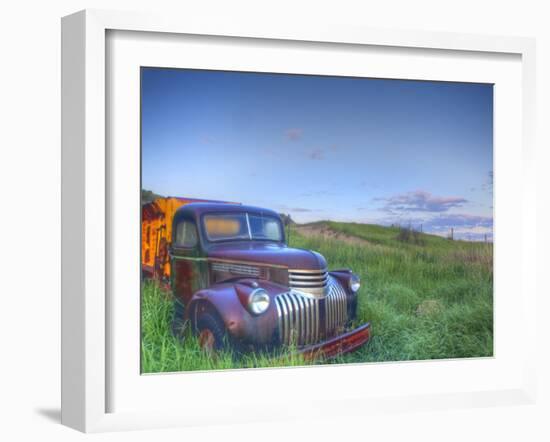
242 226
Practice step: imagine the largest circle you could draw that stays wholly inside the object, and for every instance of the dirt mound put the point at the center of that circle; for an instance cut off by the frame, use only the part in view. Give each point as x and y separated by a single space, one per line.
326 232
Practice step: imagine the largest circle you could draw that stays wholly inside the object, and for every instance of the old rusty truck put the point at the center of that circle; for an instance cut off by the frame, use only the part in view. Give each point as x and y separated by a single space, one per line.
236 282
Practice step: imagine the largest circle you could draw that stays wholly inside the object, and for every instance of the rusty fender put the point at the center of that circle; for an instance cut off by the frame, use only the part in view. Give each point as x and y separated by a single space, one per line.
229 300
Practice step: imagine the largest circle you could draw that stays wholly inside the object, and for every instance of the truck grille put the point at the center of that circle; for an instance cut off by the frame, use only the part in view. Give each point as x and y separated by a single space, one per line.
314 282
237 269
298 318
336 308
304 320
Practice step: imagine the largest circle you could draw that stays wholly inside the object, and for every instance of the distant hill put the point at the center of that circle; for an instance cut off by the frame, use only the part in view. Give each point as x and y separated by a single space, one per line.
376 234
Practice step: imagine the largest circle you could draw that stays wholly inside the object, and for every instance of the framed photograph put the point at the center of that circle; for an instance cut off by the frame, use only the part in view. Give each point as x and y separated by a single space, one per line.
253 213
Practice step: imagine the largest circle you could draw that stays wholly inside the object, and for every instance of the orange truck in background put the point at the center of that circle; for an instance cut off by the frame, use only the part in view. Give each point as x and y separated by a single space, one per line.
156 234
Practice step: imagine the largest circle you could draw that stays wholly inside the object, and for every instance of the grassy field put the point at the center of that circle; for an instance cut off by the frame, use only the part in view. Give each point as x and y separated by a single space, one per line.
426 298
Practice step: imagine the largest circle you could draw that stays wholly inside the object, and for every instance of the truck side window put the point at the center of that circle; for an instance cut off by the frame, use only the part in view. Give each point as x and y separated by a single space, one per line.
186 234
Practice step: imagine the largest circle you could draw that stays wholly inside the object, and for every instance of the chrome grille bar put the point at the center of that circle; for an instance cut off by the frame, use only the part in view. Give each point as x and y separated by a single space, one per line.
299 315
314 282
317 283
336 308
295 277
237 269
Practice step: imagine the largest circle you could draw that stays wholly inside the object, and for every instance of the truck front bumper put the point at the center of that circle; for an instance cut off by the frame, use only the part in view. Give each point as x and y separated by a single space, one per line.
338 345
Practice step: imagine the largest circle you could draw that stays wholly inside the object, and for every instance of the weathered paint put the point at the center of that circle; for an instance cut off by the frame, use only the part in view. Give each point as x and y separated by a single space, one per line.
338 345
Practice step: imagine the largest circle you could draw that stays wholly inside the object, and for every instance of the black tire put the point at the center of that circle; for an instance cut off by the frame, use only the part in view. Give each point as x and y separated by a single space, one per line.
211 326
178 321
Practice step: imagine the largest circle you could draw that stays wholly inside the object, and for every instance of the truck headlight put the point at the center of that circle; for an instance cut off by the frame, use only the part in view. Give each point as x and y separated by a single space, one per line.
354 283
258 301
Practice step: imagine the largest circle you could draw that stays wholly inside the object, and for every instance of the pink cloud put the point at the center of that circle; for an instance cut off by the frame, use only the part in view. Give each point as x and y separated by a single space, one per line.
316 154
422 201
293 134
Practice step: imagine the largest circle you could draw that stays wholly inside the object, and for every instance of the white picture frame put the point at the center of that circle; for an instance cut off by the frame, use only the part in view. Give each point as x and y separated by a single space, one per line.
86 353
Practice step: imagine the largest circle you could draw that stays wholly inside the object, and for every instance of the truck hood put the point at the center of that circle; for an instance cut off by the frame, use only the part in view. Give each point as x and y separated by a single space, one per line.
268 254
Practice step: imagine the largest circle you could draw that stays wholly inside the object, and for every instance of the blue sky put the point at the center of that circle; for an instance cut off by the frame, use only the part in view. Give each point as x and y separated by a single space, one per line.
345 149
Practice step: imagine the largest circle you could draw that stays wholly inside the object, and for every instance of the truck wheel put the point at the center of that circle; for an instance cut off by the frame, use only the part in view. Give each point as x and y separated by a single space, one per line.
210 332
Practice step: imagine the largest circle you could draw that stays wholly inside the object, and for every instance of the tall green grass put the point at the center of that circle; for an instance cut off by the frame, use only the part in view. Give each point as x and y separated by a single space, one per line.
427 301
162 352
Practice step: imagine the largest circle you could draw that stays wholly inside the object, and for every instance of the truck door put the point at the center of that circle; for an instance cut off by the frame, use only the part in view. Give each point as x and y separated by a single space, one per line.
188 268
